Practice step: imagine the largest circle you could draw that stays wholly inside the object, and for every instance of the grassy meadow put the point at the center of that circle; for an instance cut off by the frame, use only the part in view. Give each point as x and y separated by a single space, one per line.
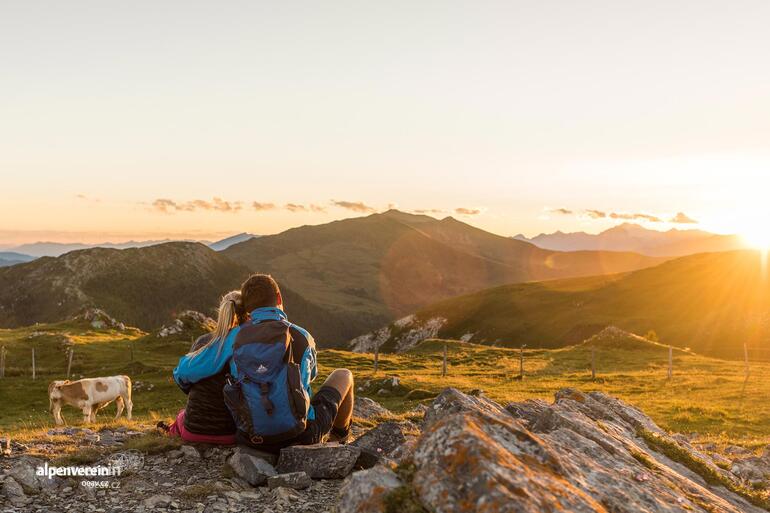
705 395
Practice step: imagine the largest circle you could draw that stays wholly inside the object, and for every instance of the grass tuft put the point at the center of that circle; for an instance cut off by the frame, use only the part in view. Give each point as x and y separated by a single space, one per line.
675 452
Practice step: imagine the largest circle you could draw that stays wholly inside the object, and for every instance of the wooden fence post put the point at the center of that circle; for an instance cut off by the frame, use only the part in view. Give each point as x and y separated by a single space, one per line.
746 361
593 363
670 362
376 357
34 371
443 367
521 361
70 353
2 362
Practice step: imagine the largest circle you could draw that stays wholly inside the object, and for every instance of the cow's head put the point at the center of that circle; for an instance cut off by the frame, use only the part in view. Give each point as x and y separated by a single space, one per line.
54 392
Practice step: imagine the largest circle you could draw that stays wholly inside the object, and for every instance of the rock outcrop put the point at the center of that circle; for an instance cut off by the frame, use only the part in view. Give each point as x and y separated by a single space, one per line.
188 324
583 453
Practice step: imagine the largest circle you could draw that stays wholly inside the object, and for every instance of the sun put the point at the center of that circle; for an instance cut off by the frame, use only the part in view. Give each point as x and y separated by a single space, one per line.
758 237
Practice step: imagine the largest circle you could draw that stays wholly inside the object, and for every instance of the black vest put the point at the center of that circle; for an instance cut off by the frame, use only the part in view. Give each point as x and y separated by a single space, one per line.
206 413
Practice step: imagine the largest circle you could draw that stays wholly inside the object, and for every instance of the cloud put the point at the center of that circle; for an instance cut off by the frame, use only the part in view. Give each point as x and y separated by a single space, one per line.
596 214
168 206
355 206
164 205
84 197
429 211
259 207
297 207
563 211
635 217
682 218
467 211
294 207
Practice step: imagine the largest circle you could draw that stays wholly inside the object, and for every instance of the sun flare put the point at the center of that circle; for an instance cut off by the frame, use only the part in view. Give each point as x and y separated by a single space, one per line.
758 238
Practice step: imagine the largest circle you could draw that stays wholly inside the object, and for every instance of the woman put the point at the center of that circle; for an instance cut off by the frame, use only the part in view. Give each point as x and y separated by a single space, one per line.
206 419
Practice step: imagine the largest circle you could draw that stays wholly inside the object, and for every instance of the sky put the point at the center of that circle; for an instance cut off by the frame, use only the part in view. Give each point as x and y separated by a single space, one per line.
144 120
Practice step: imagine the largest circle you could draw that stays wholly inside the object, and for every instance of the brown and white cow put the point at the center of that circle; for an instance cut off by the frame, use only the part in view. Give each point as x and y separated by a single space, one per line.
91 395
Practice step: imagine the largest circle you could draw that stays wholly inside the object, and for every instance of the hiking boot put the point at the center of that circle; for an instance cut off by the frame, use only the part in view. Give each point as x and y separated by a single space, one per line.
340 435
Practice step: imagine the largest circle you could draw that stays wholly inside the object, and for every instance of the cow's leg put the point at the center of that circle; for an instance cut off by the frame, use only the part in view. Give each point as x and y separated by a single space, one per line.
57 413
87 413
119 404
129 403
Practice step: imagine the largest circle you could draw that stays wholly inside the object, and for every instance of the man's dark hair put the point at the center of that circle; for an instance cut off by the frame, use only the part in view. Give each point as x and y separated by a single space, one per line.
259 290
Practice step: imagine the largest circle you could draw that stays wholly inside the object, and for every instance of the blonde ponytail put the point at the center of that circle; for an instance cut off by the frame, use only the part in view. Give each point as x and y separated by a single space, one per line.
228 316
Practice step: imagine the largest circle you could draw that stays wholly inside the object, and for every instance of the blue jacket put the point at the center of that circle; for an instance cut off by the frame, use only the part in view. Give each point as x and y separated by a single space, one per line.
211 360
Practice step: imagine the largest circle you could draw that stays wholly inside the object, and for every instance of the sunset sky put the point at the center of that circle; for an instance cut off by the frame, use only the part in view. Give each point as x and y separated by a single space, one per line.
127 120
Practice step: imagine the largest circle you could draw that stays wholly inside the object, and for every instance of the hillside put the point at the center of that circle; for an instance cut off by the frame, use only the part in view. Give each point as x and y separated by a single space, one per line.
636 238
711 303
139 286
142 287
376 268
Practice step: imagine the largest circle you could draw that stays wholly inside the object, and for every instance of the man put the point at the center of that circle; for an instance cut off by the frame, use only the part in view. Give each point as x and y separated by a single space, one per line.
330 410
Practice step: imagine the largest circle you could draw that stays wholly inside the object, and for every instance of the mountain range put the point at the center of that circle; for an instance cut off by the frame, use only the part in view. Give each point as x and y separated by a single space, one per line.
339 279
28 252
710 302
8 258
636 238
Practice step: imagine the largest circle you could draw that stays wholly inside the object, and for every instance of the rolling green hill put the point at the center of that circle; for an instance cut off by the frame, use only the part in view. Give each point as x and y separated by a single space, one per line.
711 302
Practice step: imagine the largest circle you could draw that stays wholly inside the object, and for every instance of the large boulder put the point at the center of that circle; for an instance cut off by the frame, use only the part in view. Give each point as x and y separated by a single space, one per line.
452 401
586 452
320 461
365 491
383 439
480 461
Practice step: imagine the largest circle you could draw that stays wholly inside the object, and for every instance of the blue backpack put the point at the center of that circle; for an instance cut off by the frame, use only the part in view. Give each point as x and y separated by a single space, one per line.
265 394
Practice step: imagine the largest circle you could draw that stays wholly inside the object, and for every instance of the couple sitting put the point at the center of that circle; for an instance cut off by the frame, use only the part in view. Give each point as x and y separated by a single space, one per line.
248 382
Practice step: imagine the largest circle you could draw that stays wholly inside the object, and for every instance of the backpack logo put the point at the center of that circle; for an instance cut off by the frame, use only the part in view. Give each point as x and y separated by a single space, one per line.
261 369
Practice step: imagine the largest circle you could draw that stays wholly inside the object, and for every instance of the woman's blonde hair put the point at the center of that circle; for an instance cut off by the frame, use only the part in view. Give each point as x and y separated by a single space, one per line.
229 315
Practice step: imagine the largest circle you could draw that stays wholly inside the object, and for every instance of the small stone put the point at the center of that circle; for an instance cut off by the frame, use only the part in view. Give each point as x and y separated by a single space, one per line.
190 452
365 491
366 408
250 468
176 453
14 492
157 501
295 480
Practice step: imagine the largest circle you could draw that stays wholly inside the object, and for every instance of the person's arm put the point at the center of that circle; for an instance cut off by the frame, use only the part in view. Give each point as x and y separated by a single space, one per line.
309 361
208 362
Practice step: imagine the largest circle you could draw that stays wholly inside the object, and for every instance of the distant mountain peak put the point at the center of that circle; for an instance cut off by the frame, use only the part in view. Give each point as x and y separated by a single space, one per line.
223 244
629 236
